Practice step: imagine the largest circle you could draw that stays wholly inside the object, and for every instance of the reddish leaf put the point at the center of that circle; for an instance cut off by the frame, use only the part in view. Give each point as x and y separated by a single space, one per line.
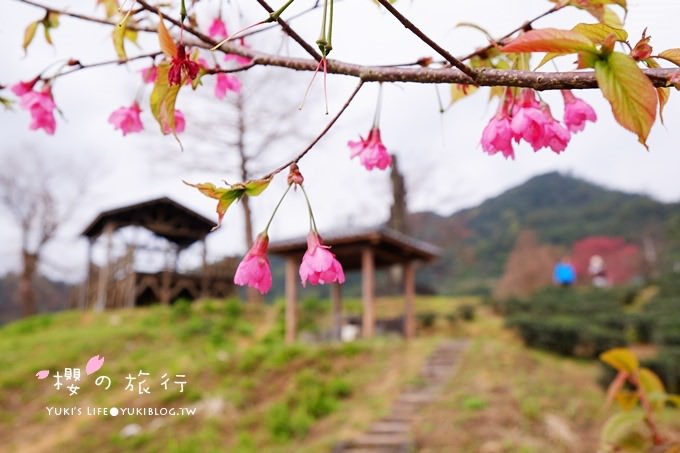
630 93
550 40
168 45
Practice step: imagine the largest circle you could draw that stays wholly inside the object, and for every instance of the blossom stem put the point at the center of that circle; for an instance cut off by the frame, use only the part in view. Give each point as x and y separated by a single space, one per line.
275 15
266 229
312 222
378 107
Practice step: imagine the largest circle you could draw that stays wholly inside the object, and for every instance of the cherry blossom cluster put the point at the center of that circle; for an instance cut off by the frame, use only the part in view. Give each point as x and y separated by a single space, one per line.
525 118
318 267
39 104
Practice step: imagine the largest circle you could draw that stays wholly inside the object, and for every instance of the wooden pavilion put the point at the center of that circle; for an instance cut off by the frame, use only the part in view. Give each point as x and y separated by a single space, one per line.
118 284
365 249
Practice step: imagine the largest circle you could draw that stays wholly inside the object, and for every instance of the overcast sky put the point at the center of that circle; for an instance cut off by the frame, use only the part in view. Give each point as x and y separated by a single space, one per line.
445 167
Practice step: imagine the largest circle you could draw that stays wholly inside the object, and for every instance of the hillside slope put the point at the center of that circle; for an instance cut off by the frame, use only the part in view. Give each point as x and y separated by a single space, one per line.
560 209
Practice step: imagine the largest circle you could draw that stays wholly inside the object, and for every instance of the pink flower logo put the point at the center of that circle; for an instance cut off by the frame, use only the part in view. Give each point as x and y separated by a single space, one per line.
319 265
94 364
42 374
254 270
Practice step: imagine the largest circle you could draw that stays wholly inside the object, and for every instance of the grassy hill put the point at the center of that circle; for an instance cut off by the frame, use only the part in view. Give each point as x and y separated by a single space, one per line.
251 393
560 209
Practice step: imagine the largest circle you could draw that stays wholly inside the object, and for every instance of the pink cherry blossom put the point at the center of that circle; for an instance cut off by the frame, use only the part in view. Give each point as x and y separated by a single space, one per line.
529 121
182 66
149 74
371 151
180 123
497 135
254 270
556 136
226 83
319 265
22 88
41 106
576 112
217 29
127 119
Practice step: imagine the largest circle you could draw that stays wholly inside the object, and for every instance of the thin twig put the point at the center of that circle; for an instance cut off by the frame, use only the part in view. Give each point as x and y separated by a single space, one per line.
471 73
316 140
526 25
289 20
292 33
85 17
78 66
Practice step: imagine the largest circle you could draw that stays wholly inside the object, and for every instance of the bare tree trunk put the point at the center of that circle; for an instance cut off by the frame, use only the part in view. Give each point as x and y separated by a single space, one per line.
26 294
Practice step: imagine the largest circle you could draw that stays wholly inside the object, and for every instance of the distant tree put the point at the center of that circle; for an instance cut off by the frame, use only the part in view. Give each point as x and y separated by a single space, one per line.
39 195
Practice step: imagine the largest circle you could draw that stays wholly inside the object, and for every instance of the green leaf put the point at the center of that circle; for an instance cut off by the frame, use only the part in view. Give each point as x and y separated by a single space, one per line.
163 98
7 103
623 429
550 40
29 34
110 6
119 38
672 55
630 93
597 33
48 37
622 359
227 195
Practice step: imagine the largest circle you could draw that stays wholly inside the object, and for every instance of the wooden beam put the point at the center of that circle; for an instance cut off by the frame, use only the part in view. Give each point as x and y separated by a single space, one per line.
336 299
409 300
368 292
291 299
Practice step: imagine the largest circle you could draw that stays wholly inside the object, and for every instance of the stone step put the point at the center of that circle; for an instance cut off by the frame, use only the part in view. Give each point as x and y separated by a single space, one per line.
379 440
390 427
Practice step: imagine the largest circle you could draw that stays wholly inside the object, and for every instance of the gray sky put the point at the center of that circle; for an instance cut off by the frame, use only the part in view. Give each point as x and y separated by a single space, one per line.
445 167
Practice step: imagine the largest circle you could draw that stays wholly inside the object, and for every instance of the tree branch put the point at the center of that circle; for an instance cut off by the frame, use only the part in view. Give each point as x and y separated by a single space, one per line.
525 26
290 32
316 140
86 17
471 73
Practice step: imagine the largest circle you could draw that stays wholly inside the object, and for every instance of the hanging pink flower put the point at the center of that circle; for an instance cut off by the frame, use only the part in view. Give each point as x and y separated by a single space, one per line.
22 88
182 66
576 112
497 135
238 59
127 119
319 265
180 123
149 74
254 270
41 106
556 136
371 151
528 121
217 29
225 83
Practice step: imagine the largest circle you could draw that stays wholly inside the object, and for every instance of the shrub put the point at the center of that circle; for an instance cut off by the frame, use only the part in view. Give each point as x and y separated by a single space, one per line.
466 312
426 319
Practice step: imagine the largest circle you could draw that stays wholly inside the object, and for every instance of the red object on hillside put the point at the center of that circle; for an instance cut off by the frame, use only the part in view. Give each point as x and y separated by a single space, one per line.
623 261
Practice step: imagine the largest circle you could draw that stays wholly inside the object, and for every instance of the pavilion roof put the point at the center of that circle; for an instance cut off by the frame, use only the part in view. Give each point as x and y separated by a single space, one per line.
389 246
162 216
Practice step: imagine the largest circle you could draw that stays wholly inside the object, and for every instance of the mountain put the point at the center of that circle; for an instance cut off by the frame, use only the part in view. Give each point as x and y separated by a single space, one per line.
561 209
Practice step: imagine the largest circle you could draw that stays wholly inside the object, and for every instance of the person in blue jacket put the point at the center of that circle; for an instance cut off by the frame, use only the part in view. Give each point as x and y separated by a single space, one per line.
564 273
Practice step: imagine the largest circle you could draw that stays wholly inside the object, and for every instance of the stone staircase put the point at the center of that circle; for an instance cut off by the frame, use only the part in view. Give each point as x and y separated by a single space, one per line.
392 433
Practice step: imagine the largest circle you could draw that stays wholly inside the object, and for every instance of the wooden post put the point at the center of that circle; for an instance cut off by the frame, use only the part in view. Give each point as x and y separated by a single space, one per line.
166 277
291 299
368 292
336 299
204 268
85 294
409 300
103 280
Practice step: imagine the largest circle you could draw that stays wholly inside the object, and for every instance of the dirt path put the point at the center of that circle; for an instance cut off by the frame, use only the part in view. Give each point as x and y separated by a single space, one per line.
392 433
